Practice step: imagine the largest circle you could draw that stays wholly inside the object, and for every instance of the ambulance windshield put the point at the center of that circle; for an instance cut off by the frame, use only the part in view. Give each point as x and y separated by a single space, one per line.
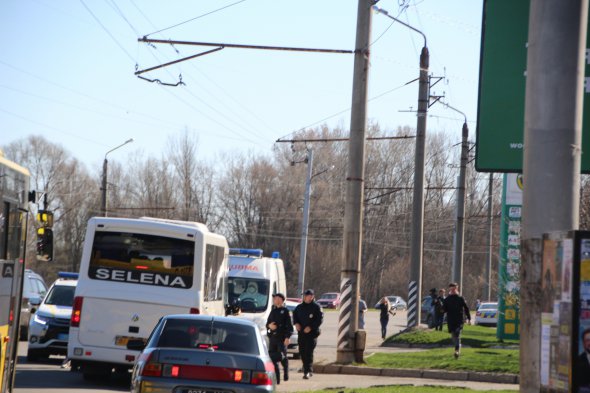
252 294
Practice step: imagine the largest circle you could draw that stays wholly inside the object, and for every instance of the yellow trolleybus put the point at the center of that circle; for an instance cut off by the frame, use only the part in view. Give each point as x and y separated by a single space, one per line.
14 196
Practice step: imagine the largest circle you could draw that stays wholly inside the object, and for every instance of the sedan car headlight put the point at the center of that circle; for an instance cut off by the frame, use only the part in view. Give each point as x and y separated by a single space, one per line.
41 319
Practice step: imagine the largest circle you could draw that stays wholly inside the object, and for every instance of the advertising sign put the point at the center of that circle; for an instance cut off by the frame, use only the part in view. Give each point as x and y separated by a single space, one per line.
509 266
500 118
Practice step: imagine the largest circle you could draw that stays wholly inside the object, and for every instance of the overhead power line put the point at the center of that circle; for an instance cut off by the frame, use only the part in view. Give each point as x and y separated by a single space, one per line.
195 18
107 31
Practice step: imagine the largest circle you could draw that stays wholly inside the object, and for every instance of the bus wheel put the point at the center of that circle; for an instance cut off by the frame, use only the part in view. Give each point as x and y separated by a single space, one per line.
35 355
24 333
96 372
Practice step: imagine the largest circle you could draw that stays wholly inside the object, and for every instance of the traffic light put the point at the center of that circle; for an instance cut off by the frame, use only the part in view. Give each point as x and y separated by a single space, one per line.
44 244
45 236
45 218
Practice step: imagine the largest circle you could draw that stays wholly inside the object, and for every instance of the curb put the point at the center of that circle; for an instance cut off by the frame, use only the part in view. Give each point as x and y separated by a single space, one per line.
472 376
435 346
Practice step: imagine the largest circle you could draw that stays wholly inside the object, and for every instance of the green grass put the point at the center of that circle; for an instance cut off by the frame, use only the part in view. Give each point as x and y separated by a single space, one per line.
473 336
408 389
471 359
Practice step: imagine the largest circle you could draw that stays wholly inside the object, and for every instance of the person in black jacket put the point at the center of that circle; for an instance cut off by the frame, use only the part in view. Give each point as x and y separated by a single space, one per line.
384 308
308 317
439 312
280 329
457 311
583 362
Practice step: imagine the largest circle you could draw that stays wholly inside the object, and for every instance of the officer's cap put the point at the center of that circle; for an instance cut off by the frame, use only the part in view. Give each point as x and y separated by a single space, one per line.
278 294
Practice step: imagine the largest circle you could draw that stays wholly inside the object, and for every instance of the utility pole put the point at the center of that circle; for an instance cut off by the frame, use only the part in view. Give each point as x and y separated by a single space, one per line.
105 163
459 238
305 224
350 342
488 272
551 167
103 188
417 242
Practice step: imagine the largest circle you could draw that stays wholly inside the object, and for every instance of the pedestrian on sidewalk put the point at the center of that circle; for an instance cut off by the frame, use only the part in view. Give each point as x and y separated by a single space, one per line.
308 318
280 329
362 310
431 312
439 312
384 308
457 312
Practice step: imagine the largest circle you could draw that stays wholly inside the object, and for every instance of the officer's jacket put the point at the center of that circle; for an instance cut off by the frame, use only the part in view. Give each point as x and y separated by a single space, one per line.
282 317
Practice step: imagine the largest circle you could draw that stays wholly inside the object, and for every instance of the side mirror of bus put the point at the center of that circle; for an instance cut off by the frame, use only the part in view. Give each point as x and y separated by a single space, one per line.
136 345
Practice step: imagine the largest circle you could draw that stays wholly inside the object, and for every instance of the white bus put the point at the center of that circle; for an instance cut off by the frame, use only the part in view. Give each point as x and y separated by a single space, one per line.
133 272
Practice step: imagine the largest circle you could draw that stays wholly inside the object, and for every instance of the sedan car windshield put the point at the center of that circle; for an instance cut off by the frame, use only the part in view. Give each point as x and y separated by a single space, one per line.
208 335
61 295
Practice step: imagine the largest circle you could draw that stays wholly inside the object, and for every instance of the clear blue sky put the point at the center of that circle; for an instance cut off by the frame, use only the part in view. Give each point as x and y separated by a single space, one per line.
63 76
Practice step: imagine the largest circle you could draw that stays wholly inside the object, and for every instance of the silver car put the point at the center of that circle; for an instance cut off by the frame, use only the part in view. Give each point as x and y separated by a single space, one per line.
204 354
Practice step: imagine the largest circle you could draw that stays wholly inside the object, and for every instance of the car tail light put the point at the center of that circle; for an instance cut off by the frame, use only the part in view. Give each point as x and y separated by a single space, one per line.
194 310
11 317
263 377
76 311
150 368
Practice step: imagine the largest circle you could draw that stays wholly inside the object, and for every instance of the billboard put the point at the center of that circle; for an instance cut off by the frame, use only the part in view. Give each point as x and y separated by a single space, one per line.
500 117
510 259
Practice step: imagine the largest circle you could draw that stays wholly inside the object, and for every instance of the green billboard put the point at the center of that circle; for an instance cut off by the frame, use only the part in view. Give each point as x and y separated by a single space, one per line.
500 118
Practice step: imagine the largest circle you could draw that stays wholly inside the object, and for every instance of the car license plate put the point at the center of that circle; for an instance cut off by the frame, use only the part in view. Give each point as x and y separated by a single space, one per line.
63 336
122 340
201 390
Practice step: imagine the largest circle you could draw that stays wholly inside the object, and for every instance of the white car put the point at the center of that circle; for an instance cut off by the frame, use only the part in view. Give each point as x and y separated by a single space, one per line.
487 314
49 325
294 342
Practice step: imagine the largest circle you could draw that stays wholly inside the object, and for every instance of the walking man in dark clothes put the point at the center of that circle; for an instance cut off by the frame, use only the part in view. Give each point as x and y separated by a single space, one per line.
280 329
308 317
457 311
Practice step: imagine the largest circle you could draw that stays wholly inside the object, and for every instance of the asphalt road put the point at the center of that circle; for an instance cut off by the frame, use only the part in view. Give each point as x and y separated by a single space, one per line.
51 378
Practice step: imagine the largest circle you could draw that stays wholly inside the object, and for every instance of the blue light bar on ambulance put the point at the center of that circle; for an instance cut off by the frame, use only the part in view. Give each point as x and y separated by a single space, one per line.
70 275
251 252
276 255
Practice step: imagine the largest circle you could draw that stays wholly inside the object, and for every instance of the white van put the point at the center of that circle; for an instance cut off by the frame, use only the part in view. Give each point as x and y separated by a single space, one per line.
133 272
252 280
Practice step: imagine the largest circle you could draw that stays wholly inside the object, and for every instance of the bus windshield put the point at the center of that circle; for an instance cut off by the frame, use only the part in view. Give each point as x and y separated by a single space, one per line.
252 294
142 259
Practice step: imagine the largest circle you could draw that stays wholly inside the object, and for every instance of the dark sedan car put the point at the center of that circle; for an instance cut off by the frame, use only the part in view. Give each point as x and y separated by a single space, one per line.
201 353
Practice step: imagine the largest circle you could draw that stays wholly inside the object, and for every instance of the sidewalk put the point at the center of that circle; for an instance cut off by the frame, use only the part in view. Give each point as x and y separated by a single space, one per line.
326 381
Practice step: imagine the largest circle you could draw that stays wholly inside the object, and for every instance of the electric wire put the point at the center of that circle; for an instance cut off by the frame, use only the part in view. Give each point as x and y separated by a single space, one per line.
107 31
195 18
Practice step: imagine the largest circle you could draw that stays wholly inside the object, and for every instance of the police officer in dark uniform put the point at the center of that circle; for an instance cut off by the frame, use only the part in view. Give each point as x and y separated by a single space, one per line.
308 317
280 329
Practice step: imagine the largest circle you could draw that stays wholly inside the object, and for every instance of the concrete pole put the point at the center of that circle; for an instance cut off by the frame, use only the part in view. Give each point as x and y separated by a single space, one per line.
353 211
552 152
305 225
417 242
103 205
459 238
487 293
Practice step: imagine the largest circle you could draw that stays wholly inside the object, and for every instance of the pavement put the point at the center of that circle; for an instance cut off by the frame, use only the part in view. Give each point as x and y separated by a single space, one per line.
325 354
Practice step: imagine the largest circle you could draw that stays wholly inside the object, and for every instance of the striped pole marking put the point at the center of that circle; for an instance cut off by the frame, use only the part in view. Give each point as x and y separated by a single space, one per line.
413 304
345 312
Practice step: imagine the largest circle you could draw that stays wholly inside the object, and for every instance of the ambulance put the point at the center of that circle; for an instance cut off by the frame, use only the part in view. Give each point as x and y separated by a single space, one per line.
252 280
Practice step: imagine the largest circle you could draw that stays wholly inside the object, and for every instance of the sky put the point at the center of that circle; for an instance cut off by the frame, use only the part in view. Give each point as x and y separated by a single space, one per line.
67 71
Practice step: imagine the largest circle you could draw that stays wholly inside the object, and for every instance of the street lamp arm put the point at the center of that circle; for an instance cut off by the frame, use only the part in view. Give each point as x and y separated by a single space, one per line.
384 12
115 148
455 109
